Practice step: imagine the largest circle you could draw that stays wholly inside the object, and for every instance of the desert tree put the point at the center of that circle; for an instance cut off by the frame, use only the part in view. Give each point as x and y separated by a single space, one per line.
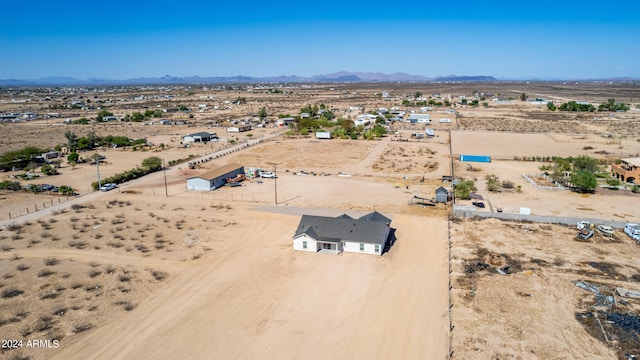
262 113
72 140
584 181
152 163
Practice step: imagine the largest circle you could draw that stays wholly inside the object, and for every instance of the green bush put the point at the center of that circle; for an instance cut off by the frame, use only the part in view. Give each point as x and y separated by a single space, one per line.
149 165
48 170
10 185
613 182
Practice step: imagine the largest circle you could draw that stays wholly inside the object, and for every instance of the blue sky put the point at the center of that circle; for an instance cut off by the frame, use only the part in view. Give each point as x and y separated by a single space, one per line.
128 39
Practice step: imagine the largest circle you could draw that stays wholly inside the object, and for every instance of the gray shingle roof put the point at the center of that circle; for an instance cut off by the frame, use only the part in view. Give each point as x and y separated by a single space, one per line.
370 228
376 216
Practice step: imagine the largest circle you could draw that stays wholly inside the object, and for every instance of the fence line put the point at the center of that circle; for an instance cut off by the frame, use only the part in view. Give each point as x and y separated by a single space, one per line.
528 177
450 303
37 206
563 220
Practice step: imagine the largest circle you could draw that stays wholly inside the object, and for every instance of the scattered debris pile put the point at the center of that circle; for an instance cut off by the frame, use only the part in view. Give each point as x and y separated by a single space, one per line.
502 263
610 321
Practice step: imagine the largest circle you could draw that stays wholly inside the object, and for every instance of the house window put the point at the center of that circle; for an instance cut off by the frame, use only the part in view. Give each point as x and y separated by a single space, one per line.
377 248
304 244
361 247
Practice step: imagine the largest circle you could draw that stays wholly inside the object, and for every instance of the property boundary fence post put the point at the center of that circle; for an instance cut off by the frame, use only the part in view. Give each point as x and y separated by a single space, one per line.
450 337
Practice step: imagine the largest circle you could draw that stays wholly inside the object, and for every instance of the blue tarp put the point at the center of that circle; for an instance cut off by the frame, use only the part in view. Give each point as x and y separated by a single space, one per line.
476 158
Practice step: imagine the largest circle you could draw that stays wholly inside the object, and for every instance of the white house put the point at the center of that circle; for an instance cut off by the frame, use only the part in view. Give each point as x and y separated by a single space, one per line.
367 235
445 121
323 135
364 119
202 137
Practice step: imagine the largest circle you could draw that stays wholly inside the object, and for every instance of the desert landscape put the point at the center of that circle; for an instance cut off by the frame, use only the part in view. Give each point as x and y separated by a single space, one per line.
153 270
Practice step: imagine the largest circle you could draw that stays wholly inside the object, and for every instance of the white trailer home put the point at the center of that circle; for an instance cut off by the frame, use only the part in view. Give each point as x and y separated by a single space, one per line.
632 230
420 118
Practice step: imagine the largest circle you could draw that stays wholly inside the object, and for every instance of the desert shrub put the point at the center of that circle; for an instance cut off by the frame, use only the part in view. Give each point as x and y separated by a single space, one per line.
493 183
127 306
11 292
558 261
22 267
142 248
49 296
159 275
508 184
82 327
77 244
94 273
44 323
51 261
59 311
635 189
115 244
90 288
45 273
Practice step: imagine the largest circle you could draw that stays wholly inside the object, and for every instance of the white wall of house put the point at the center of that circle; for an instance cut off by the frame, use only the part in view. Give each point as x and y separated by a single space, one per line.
188 139
298 243
368 248
199 184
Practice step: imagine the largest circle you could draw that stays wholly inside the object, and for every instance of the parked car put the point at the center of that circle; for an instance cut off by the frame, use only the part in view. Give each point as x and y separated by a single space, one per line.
267 174
585 234
605 230
108 187
583 225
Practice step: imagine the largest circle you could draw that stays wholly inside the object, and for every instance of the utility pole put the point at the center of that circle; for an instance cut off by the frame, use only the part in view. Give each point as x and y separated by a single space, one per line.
275 181
98 167
164 170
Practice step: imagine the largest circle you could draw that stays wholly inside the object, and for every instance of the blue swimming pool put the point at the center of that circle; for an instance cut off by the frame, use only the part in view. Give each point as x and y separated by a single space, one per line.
476 158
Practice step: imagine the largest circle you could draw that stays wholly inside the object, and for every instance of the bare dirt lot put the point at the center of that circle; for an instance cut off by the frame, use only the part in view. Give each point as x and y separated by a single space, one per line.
536 311
134 273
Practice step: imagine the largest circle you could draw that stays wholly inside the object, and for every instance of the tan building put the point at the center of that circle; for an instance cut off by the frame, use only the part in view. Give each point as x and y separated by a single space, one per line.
627 171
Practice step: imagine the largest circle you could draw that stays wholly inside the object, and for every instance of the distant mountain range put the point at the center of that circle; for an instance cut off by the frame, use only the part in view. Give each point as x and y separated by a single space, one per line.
339 77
